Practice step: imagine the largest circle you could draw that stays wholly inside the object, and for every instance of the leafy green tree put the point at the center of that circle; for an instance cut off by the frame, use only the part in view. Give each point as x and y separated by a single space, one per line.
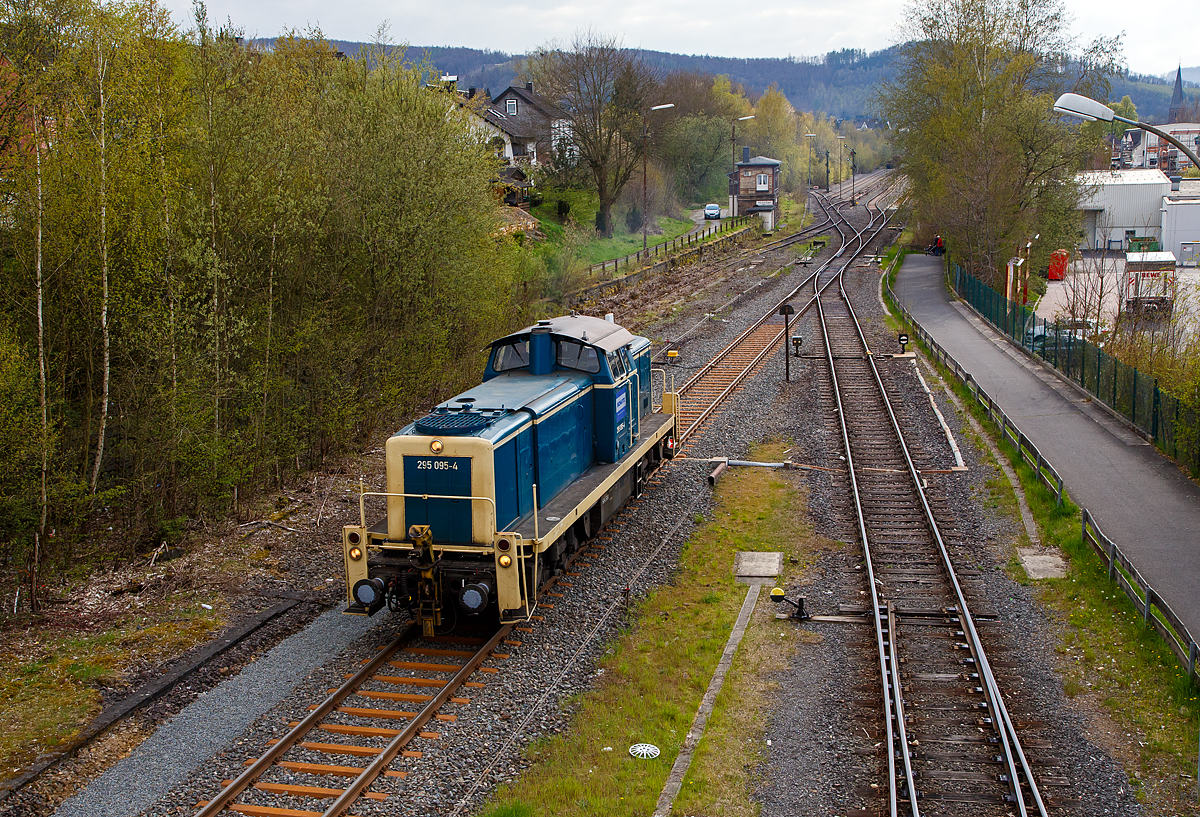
987 162
604 89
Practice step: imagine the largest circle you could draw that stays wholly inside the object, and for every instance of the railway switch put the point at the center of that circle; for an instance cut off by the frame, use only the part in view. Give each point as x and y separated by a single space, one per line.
798 613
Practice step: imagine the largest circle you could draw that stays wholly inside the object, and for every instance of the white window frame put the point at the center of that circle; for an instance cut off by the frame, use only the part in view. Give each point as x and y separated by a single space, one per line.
763 183
510 107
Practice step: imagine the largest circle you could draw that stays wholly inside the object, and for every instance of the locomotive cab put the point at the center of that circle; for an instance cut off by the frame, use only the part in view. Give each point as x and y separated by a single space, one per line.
489 493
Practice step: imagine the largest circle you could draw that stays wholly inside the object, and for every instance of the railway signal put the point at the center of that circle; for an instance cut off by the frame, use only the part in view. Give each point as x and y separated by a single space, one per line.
787 311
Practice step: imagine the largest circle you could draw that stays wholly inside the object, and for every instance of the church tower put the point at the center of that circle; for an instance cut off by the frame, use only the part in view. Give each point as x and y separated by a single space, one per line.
1176 108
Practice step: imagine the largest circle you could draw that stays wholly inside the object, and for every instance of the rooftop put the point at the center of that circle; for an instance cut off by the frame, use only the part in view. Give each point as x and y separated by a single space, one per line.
1137 176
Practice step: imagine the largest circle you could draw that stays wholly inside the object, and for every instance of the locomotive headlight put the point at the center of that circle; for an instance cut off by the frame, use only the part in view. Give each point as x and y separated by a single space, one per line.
436 446
356 553
505 560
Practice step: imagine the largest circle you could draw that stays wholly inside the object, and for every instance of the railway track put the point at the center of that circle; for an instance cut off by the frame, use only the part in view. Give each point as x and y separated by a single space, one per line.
703 393
876 185
359 721
951 744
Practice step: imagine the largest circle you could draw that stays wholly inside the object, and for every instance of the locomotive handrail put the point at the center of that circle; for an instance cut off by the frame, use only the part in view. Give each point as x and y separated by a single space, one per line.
362 507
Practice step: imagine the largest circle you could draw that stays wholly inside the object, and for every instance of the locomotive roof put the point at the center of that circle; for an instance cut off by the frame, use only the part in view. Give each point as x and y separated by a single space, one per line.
596 332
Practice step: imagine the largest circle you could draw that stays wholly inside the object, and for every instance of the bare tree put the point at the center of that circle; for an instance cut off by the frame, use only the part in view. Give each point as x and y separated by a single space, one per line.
604 89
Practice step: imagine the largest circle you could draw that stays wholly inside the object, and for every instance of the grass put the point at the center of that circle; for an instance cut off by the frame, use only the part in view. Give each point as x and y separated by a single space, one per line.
794 215
584 206
1107 656
624 243
656 672
49 681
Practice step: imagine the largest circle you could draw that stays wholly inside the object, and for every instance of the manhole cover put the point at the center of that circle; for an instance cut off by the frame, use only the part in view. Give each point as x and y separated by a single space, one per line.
645 751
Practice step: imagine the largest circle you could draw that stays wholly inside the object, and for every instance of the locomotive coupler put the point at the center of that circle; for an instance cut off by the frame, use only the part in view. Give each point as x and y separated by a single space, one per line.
429 589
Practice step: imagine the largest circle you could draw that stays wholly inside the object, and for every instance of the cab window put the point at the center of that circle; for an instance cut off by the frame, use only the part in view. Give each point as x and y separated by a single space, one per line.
510 356
616 365
573 355
626 359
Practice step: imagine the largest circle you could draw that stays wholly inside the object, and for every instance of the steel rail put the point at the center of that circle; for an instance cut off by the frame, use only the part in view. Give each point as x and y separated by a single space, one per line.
264 762
1006 729
888 701
898 699
388 754
696 326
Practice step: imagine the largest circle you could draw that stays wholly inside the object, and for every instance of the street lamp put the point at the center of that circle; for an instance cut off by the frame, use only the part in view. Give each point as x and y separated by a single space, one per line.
733 133
644 196
842 167
808 154
1090 109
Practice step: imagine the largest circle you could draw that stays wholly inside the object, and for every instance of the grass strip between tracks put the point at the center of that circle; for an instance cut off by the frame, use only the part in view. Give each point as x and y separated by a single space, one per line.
1108 658
657 669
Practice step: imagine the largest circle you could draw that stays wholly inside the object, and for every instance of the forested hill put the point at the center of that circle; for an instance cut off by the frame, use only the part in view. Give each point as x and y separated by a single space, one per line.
840 84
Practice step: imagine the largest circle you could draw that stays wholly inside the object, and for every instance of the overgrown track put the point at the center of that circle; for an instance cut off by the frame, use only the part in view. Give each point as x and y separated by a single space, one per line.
950 743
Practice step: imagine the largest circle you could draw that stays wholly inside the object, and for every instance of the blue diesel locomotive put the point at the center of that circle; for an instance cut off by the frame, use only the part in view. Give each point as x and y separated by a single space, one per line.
490 493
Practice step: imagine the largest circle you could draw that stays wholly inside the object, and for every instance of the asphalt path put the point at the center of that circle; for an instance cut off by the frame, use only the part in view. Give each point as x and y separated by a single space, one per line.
1138 497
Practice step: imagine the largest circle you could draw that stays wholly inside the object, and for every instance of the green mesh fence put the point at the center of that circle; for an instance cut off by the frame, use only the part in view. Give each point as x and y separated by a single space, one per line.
1169 422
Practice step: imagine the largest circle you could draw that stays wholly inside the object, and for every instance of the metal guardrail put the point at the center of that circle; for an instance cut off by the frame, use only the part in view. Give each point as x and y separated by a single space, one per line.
1155 612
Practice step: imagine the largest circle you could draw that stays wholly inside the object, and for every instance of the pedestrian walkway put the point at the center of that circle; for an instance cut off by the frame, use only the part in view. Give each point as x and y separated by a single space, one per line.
1138 497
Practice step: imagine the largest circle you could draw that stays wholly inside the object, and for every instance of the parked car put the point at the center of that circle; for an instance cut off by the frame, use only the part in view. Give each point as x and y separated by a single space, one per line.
1065 334
712 211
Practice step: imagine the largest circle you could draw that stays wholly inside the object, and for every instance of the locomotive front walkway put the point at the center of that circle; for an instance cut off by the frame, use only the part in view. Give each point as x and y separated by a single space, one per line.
1138 497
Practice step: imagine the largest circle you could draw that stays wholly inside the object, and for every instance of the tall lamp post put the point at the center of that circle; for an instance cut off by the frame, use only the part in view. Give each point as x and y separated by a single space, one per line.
842 166
808 160
733 133
645 197
1090 109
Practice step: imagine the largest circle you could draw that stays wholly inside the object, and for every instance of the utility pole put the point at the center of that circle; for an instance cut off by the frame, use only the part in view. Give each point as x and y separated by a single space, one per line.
826 171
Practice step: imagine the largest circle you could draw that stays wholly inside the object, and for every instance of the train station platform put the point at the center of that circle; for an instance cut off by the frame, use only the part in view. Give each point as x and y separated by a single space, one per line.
1138 497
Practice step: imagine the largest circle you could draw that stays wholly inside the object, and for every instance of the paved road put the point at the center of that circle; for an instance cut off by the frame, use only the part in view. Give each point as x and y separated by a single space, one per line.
1137 496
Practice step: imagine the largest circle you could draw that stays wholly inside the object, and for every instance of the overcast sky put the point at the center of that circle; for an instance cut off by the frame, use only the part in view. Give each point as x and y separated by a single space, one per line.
801 28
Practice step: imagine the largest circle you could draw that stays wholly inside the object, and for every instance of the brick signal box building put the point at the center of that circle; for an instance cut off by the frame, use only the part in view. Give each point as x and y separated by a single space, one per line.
754 188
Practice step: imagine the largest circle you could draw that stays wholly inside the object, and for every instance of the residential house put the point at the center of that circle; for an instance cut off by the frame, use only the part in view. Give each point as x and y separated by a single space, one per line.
538 119
1147 151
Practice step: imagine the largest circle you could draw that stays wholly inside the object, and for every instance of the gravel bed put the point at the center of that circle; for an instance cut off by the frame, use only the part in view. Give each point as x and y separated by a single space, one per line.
819 760
212 721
